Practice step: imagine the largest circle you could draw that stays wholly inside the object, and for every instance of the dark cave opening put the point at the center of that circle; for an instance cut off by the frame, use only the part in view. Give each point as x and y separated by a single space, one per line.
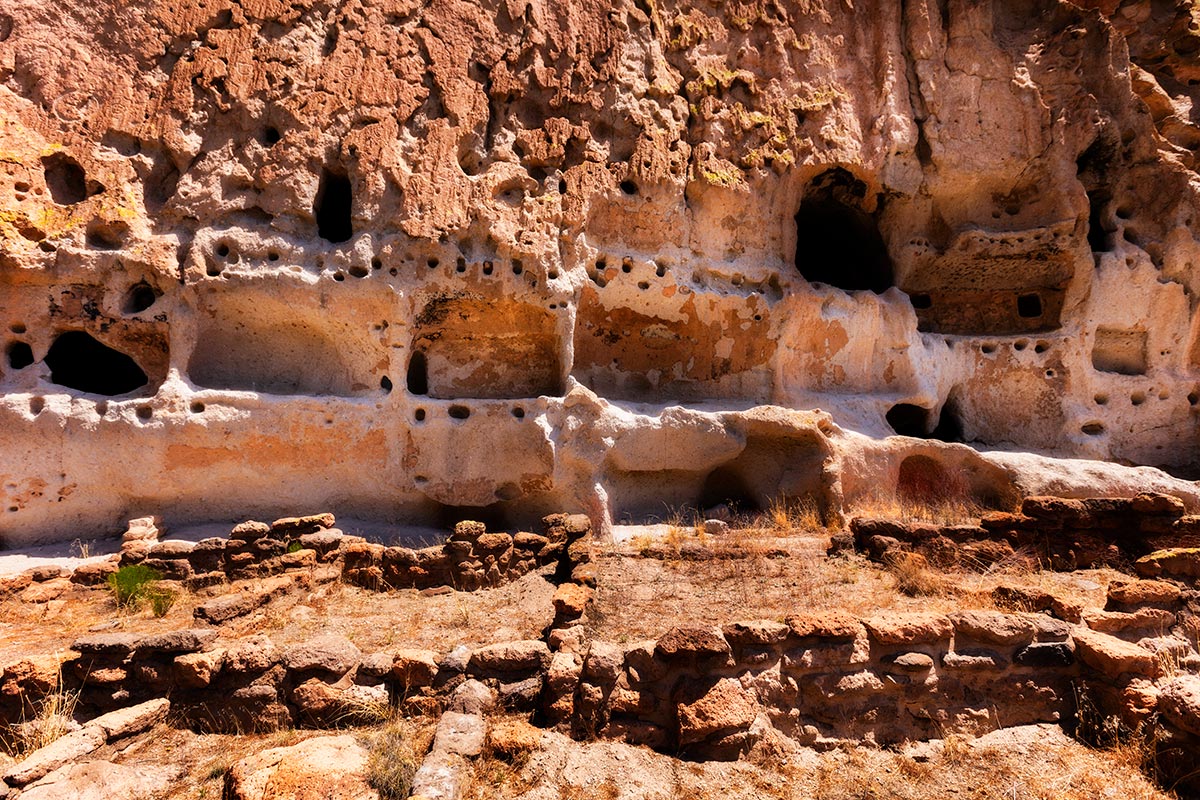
837 243
140 297
949 427
724 486
332 207
78 361
1029 306
65 179
20 355
1098 236
417 379
907 419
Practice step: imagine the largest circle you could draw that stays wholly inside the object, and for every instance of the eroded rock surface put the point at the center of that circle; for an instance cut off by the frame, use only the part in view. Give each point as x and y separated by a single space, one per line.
397 259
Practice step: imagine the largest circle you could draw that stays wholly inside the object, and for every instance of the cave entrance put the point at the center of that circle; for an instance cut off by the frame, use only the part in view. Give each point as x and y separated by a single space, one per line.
78 361
725 486
418 374
949 427
65 179
837 242
332 207
907 419
20 355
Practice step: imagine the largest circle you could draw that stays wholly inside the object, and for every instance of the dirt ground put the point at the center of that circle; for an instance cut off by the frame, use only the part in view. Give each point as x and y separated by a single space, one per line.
644 588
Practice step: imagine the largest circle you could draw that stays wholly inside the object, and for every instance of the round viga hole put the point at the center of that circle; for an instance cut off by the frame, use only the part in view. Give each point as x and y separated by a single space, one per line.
1020 345
376 263
1137 398
1041 347
385 383
36 404
358 271
223 250
1193 397
518 412
419 415
643 285
517 266
144 413
1093 428
272 256
1101 399
17 327
459 412
197 407
987 349
420 480
629 187
339 276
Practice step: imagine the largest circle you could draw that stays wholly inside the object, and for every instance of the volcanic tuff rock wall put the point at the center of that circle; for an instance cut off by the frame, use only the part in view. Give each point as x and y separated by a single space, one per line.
398 259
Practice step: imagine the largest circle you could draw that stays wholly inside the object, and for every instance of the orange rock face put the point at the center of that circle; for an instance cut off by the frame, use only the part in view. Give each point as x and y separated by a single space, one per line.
410 261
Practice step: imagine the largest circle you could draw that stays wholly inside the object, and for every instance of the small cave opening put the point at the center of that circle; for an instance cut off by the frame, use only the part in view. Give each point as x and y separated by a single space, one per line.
495 516
907 419
1029 306
139 298
332 207
20 355
65 179
1098 236
837 243
79 362
417 378
725 486
949 427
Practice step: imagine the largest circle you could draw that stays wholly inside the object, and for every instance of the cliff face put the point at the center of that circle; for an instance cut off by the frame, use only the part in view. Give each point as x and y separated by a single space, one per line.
403 259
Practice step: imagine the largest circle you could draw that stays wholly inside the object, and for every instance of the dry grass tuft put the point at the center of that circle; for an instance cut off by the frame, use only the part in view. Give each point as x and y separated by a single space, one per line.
950 510
395 755
53 718
914 576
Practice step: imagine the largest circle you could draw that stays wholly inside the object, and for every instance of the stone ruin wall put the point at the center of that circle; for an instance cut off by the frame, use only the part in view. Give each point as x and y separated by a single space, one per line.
513 257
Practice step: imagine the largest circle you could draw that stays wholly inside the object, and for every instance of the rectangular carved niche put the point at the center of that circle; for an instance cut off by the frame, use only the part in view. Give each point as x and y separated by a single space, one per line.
468 346
1120 350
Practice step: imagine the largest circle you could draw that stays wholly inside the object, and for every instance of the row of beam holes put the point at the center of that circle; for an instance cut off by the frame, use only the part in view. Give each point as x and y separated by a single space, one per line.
1020 345
988 348
488 268
461 412
1095 427
597 275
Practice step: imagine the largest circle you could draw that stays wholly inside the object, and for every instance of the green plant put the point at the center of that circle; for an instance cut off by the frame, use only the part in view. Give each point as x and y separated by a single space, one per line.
295 547
160 599
130 584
